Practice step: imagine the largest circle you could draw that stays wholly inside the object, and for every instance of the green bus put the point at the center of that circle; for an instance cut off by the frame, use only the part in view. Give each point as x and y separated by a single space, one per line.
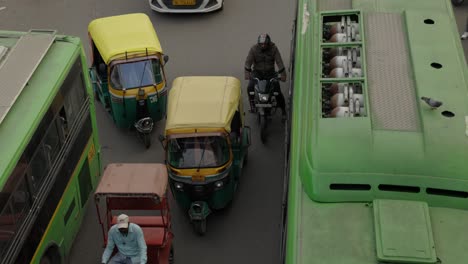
50 154
378 151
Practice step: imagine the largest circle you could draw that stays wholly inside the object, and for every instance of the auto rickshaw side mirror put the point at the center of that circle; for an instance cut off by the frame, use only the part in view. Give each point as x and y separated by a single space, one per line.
165 58
162 139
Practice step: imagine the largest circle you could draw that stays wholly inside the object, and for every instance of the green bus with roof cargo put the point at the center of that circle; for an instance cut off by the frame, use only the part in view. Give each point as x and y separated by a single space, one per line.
50 158
377 163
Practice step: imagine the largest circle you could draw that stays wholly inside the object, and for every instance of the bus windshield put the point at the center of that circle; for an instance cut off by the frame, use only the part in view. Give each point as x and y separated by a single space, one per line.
198 152
136 74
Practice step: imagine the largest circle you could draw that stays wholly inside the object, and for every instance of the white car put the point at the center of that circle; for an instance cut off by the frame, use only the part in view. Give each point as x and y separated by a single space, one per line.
186 6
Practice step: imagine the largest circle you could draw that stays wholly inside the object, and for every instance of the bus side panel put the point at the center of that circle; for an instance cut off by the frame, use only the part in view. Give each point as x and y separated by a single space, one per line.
68 216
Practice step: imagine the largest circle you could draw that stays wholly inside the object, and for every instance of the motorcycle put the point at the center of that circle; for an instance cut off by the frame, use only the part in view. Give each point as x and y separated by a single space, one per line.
265 102
457 2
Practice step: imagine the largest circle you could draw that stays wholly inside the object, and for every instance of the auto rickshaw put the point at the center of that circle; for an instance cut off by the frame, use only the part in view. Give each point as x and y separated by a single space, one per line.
127 71
138 190
206 144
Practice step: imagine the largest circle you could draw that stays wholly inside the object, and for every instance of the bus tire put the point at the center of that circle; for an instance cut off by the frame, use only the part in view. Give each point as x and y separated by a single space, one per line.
52 256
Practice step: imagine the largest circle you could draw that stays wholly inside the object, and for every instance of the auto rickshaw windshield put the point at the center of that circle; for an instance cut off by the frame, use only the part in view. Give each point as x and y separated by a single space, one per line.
198 152
136 74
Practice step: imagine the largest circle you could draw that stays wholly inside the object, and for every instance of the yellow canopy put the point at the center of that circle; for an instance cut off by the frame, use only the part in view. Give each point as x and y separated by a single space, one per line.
115 35
203 102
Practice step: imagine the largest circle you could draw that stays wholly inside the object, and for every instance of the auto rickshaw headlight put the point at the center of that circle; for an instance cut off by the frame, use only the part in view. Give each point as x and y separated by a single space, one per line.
219 184
179 186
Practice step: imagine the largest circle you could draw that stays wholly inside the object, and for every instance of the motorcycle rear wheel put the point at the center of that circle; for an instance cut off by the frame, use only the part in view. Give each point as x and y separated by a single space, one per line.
263 127
171 255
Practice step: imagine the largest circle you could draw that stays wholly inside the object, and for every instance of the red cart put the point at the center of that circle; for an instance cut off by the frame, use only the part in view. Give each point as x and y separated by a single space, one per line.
138 190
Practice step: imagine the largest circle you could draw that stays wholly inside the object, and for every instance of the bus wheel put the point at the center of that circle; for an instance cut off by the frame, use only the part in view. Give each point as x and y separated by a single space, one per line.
46 260
52 256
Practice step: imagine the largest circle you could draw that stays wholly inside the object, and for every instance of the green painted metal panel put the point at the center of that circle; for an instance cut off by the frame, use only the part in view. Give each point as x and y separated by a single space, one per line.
399 137
403 232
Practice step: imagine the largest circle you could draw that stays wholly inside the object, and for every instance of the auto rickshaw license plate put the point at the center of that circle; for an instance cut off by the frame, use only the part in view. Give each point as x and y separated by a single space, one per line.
198 178
183 2
263 105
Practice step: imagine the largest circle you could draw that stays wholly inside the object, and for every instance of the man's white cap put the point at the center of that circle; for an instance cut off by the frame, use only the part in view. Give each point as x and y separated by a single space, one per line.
122 221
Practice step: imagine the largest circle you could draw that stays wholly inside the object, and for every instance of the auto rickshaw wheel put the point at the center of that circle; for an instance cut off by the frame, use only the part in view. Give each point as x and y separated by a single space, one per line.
199 226
96 96
171 255
147 140
246 158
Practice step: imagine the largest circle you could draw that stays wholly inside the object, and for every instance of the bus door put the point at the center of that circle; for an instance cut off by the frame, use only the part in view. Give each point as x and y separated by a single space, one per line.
70 214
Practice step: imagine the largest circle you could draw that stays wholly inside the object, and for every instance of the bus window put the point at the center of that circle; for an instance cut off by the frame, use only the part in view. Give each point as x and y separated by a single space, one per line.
84 180
52 141
20 202
14 205
74 92
39 166
63 123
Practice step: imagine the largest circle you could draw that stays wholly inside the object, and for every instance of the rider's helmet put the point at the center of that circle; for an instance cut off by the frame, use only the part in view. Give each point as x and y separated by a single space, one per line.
263 40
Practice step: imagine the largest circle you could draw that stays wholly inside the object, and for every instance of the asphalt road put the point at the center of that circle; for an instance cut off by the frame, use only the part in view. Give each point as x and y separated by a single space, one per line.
208 44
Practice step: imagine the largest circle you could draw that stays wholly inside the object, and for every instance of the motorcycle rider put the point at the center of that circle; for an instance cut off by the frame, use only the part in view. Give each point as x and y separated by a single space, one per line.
260 63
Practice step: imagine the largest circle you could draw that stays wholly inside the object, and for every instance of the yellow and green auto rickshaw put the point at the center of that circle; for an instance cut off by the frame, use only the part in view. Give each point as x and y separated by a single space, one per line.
206 144
127 71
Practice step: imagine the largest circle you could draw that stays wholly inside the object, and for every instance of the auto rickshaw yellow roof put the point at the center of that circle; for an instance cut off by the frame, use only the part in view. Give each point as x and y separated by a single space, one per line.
202 102
133 178
131 33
